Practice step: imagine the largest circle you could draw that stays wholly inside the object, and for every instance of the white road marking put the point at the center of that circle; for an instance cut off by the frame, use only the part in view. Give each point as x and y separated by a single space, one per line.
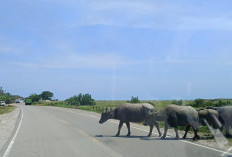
217 150
15 135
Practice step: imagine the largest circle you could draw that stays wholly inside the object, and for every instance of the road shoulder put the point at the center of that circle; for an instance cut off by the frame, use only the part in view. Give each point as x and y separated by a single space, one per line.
8 123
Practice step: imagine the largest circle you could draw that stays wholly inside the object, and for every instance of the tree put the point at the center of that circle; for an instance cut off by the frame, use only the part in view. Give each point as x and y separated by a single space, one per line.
6 96
34 97
1 91
46 95
81 99
134 100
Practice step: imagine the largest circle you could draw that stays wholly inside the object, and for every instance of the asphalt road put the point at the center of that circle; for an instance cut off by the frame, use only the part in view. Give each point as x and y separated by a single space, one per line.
59 132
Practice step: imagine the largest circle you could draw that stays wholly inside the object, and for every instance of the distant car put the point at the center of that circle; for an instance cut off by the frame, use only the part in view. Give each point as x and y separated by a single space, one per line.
28 101
2 103
17 101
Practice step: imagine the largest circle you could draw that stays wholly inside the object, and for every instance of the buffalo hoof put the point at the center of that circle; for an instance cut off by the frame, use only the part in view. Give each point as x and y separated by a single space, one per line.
148 135
117 135
160 135
195 138
184 137
177 137
128 135
163 137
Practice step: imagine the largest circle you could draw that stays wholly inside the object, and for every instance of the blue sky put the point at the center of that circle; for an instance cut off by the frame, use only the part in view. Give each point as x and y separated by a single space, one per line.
115 49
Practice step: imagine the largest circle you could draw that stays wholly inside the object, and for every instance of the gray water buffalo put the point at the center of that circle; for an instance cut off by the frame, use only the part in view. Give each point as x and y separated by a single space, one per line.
127 113
175 116
211 116
225 117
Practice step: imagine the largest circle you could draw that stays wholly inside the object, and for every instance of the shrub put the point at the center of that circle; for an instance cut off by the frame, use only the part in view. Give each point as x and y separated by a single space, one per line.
80 100
202 103
221 103
178 102
34 97
134 100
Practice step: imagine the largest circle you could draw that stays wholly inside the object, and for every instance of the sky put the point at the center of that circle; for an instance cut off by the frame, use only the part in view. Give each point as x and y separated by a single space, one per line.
115 49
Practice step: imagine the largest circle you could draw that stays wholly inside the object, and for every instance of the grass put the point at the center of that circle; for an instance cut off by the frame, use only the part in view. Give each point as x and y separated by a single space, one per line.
54 103
229 141
6 109
102 104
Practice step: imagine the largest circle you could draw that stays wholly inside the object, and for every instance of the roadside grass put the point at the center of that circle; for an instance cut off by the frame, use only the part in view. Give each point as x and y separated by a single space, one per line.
54 103
6 109
229 141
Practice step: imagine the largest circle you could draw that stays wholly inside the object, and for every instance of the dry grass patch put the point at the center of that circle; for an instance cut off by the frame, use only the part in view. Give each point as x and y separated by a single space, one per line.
6 109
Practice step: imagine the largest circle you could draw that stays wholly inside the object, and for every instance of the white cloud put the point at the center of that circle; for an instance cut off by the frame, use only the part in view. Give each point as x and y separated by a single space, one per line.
75 61
211 23
151 15
136 7
167 15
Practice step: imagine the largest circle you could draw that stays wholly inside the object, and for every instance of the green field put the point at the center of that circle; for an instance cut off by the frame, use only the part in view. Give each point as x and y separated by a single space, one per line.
102 104
6 109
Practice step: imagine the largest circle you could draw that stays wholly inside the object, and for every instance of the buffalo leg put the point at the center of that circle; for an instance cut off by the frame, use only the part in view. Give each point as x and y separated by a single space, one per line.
151 128
158 129
165 130
186 131
128 127
176 130
119 128
196 137
227 127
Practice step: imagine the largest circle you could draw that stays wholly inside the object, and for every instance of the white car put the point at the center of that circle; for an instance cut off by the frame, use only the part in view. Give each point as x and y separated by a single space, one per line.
2 103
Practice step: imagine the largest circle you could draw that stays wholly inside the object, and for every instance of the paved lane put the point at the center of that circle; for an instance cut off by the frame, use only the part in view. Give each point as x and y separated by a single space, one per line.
58 132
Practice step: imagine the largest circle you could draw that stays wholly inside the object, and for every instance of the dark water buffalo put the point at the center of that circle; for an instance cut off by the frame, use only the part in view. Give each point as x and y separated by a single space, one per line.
175 116
225 116
127 113
211 116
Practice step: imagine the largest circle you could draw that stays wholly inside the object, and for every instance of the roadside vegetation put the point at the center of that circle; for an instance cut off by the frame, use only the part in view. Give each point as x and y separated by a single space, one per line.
6 109
85 102
8 97
45 95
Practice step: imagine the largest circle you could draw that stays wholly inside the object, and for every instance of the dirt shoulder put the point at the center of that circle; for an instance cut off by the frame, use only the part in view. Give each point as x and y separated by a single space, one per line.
7 125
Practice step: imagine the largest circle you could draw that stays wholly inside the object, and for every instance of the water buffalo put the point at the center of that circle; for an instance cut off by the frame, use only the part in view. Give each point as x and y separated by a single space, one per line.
127 113
211 116
175 116
225 116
